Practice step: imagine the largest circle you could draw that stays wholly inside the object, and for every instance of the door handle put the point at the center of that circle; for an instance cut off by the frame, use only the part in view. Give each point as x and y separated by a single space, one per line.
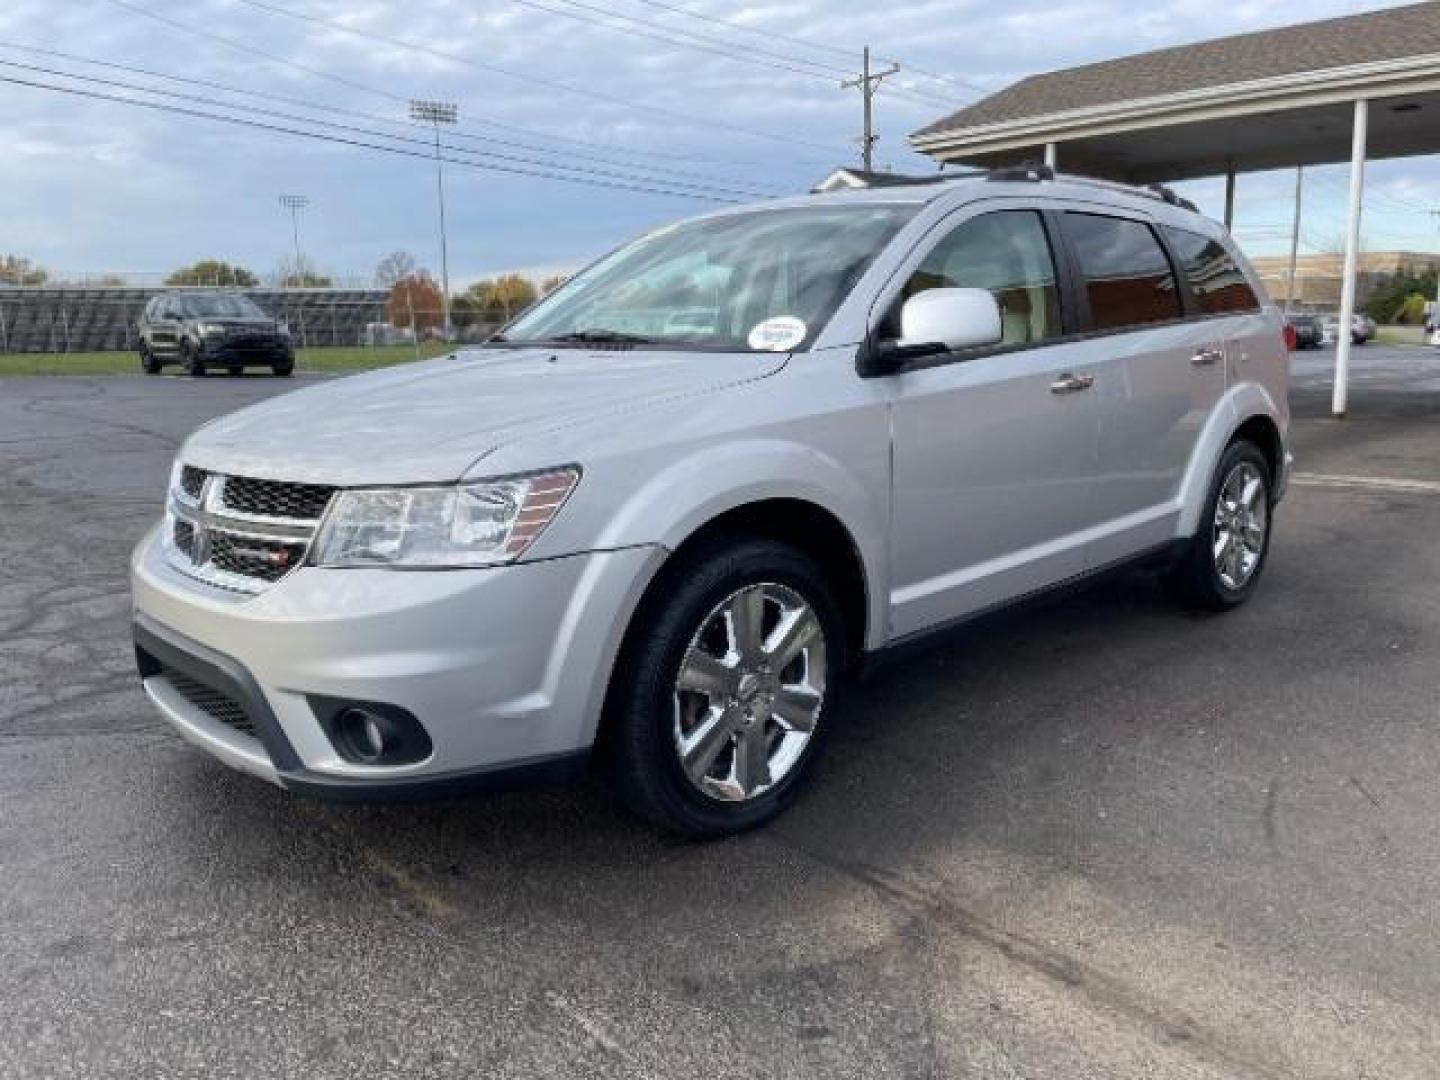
1207 357
1072 384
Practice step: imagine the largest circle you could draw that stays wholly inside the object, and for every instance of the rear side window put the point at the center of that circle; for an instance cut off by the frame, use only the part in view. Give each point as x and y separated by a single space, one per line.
1215 278
1126 273
1008 253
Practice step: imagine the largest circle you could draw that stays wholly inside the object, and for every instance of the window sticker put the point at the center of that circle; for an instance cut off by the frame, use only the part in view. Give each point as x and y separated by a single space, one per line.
779 334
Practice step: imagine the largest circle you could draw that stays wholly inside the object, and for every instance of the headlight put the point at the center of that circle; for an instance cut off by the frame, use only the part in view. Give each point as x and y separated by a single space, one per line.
210 329
480 524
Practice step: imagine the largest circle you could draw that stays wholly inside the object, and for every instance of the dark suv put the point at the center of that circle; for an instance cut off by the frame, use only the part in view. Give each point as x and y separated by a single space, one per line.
203 330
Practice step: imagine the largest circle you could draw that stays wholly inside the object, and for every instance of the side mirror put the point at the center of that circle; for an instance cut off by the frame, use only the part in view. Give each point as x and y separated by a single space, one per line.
950 319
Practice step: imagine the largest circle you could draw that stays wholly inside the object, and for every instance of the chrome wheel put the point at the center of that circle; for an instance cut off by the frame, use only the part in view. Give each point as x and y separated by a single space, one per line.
749 692
1242 516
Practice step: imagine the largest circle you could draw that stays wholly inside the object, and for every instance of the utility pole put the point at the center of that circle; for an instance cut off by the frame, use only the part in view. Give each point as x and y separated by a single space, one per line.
1295 238
437 113
867 83
295 204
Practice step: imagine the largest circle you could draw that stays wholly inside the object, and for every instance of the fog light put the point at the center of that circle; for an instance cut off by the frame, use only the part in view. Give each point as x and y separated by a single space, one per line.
367 734
371 732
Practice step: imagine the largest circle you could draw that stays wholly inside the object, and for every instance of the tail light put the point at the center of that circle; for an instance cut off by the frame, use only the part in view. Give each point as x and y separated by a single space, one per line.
1291 338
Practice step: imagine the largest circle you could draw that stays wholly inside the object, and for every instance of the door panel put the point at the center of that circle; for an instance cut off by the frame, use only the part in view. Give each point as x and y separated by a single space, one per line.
994 451
1173 376
993 474
1168 375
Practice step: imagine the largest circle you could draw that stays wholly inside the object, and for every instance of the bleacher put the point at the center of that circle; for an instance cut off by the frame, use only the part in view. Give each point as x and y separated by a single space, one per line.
63 318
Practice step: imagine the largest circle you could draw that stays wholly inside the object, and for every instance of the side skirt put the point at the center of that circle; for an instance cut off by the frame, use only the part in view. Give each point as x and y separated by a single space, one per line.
1160 558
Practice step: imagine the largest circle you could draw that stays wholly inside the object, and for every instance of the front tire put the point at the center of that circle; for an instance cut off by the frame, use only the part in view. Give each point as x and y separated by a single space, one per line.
726 688
1222 563
284 370
192 360
148 362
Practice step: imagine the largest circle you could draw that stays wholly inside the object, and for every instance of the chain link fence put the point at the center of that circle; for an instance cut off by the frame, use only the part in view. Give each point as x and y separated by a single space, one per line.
83 319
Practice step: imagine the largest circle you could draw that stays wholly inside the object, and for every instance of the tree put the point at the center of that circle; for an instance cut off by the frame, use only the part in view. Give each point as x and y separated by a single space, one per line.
550 284
1389 300
513 294
15 270
394 267
213 272
301 275
1412 312
415 300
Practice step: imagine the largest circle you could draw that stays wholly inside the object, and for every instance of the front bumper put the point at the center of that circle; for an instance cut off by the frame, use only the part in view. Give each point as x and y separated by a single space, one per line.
259 351
506 668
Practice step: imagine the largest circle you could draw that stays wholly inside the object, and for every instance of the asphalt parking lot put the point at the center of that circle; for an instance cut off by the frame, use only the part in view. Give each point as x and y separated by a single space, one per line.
1098 838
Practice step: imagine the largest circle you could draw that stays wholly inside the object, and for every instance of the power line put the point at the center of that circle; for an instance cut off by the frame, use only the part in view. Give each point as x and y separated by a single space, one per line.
538 80
347 141
819 46
675 187
724 48
738 185
814 69
389 95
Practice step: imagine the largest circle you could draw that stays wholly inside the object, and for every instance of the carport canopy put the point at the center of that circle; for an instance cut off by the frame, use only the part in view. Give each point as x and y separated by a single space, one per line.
1352 88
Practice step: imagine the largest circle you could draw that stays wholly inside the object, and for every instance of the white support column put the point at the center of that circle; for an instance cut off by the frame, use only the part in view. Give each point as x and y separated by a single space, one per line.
1352 257
1230 196
1052 154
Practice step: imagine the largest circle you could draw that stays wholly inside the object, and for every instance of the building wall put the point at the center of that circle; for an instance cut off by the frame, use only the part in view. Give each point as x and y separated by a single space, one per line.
1318 277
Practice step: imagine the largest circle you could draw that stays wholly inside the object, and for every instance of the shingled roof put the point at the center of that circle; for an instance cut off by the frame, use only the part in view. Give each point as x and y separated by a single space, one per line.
1389 34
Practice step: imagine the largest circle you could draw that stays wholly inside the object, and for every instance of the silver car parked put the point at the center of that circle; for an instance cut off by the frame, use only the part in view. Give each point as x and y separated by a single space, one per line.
663 519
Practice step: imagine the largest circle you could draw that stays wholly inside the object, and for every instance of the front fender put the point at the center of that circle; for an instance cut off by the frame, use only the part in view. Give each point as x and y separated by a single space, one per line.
1241 402
684 496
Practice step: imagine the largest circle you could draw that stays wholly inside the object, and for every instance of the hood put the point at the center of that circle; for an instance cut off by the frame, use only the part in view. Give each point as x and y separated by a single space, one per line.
429 422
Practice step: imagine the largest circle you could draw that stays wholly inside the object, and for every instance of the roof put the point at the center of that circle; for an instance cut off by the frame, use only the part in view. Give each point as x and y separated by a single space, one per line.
846 177
1389 34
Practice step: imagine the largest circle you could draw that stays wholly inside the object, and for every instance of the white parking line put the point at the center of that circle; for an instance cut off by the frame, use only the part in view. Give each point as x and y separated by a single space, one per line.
1371 483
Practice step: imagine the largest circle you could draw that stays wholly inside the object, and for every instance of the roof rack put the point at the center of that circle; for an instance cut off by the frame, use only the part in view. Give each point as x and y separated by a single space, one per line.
1035 172
1027 171
1169 196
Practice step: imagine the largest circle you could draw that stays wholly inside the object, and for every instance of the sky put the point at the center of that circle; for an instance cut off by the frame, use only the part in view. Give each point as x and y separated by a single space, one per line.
694 101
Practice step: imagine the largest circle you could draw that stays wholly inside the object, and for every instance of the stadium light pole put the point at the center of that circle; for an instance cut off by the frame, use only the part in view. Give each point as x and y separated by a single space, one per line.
437 113
295 203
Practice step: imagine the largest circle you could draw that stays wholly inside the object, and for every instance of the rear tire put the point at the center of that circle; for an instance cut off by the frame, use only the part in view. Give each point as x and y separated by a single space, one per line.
1222 563
726 688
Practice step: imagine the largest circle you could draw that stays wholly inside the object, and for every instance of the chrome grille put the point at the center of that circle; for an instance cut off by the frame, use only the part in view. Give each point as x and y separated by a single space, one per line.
267 560
239 532
271 498
192 481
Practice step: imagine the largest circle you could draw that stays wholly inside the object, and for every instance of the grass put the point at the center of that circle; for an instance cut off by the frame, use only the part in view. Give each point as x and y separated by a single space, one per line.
128 363
1400 335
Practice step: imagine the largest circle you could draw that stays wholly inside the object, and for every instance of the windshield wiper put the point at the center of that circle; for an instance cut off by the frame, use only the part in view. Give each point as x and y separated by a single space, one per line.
614 337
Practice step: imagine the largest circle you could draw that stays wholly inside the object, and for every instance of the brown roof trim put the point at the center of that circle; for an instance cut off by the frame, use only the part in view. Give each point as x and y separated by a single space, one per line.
1388 34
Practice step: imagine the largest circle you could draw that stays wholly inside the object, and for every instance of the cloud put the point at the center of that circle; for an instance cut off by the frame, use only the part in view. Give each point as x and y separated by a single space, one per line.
98 186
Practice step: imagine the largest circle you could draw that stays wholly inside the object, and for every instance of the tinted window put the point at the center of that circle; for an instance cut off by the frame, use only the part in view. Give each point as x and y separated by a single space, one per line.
1127 276
220 306
1215 278
1007 253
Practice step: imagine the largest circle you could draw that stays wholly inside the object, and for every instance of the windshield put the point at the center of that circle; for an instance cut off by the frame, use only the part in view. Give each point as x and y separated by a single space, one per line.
221 307
766 280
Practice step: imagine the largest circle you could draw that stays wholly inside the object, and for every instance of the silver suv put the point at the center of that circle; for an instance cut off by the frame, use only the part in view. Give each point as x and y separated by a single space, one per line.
662 519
